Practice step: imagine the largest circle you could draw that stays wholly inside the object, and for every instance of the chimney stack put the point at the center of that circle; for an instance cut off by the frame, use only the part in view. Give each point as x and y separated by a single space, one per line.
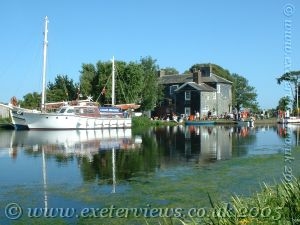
197 76
161 73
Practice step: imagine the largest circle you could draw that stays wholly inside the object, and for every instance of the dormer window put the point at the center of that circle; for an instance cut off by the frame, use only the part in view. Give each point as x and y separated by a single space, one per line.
187 95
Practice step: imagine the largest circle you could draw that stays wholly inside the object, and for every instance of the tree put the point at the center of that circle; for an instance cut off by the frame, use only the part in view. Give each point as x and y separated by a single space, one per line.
170 71
131 83
62 89
102 83
292 78
136 82
152 91
31 101
245 95
87 79
284 103
216 69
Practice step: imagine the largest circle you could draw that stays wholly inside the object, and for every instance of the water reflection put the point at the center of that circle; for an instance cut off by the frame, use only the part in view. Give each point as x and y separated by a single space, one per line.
284 130
206 144
165 145
195 143
107 156
81 143
93 151
105 161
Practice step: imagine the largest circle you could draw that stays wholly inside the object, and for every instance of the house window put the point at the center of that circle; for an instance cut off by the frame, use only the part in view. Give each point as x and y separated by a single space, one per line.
187 95
187 111
214 95
205 109
173 88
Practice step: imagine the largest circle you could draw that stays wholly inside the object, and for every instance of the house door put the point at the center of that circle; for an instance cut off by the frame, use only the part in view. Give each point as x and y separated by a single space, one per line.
187 111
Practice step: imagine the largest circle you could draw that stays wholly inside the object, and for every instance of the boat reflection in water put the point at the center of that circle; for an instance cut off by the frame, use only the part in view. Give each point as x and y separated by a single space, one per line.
85 145
70 142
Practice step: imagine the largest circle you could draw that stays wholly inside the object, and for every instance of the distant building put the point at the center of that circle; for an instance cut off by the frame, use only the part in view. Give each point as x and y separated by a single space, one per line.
201 91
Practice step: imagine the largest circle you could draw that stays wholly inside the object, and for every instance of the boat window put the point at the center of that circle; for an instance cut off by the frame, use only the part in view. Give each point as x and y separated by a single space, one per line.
70 111
62 110
84 110
90 110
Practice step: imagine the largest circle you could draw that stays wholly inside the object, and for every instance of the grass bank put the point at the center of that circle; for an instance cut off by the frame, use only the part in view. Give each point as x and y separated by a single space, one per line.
4 120
263 121
5 124
279 204
144 121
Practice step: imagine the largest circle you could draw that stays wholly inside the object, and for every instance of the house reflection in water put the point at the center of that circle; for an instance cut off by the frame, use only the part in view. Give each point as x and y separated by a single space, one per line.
215 142
195 143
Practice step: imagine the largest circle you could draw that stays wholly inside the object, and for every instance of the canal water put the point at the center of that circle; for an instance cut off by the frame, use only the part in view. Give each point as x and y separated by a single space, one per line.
162 167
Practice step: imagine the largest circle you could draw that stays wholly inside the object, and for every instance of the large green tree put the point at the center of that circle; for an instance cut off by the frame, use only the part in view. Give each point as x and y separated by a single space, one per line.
87 79
283 103
152 91
292 79
245 95
130 83
62 89
31 101
136 82
216 69
170 71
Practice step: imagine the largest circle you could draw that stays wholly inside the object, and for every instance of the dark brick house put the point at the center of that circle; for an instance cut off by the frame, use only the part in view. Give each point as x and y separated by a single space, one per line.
201 91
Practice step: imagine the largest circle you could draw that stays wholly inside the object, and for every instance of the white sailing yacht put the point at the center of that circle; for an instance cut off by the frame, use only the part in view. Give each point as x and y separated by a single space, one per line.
84 115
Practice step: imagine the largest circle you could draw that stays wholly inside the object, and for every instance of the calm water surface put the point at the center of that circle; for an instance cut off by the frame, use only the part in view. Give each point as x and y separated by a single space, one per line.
92 168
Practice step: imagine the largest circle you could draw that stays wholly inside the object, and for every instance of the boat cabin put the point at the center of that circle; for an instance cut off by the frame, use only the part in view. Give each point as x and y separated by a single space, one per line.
92 111
67 110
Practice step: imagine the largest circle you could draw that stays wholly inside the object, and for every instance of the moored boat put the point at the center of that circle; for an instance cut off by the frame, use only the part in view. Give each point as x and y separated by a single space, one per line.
200 122
82 115
291 119
86 115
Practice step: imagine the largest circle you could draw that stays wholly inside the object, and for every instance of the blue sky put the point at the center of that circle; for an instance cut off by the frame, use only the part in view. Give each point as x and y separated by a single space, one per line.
245 37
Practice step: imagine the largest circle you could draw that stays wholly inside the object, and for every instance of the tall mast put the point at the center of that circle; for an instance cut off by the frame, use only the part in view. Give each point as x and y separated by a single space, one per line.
113 82
44 64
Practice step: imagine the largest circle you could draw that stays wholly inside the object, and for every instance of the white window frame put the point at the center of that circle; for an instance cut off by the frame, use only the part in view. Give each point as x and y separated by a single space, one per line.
214 95
218 88
187 95
173 88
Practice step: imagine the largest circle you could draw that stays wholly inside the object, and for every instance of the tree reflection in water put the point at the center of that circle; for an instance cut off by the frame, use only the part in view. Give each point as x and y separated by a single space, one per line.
151 150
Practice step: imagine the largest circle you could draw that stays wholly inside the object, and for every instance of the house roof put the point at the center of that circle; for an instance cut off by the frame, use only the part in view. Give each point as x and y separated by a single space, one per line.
198 87
213 78
175 79
183 78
